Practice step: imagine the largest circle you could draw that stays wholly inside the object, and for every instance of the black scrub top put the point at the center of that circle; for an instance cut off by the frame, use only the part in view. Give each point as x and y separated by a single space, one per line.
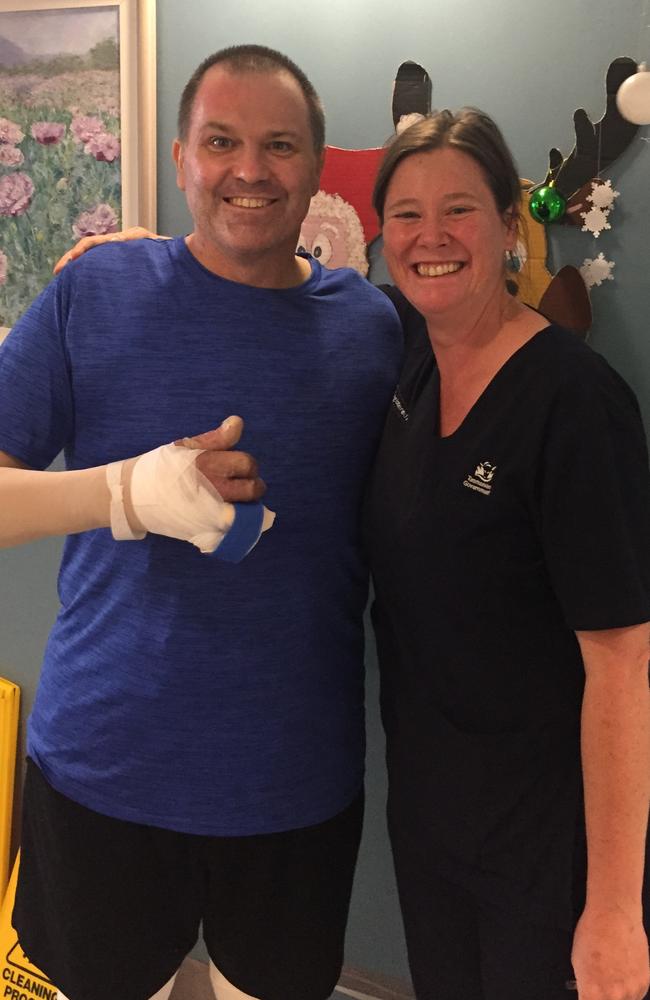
489 548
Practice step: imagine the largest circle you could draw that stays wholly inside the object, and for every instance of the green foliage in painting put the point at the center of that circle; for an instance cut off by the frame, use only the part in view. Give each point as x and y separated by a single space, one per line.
104 55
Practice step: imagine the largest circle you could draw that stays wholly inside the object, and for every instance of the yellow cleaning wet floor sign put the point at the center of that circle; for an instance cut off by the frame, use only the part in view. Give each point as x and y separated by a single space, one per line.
9 705
20 980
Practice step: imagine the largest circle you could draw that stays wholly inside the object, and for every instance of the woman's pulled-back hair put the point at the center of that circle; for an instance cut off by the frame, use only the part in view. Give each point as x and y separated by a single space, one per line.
471 132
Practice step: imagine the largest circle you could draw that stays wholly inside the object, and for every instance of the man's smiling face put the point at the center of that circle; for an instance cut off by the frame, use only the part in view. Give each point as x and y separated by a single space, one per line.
249 169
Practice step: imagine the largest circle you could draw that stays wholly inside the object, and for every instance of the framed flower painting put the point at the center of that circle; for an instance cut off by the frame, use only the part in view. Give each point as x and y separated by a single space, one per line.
77 132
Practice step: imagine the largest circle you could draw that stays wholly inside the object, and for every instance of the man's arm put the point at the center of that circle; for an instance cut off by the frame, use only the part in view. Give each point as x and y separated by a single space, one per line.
610 949
38 504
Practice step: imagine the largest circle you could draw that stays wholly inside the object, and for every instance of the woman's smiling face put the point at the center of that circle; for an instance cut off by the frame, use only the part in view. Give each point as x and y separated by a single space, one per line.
444 237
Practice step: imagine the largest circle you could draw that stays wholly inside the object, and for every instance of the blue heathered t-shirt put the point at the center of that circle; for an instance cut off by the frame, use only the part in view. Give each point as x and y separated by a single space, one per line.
178 690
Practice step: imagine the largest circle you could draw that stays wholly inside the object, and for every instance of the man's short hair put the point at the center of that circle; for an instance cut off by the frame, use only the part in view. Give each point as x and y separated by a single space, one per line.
254 59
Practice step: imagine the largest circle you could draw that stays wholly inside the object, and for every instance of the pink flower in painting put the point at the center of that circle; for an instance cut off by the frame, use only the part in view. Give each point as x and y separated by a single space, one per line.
48 133
10 133
16 192
3 268
10 156
98 220
85 127
103 146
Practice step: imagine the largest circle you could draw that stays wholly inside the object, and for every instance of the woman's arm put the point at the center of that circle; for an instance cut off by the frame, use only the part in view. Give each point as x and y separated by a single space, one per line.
610 950
87 242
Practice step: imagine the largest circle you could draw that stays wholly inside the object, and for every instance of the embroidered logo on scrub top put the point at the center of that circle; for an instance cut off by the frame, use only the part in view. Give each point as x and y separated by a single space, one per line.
399 406
481 481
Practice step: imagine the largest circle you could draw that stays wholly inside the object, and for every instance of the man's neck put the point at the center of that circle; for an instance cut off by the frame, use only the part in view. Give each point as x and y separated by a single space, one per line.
281 270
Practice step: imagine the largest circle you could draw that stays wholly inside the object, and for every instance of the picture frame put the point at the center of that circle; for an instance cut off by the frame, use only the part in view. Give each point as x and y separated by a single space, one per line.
90 67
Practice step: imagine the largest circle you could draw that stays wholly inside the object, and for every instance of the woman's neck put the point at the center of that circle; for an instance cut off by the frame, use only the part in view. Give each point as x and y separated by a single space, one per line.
469 336
469 356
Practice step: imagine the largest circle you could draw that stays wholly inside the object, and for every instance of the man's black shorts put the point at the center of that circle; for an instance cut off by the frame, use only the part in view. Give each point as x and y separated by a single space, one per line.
108 908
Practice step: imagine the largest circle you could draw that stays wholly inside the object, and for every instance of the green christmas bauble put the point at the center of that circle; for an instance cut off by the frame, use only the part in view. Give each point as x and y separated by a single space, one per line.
547 205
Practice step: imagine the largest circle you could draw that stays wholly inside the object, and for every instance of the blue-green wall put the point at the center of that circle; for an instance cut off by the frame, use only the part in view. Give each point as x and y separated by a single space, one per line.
528 64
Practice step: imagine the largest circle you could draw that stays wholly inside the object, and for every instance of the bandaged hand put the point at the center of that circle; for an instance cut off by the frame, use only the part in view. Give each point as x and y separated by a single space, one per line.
172 491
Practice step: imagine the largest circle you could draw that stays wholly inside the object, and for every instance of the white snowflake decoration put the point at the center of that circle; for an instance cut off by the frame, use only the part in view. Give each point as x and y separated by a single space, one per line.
594 272
595 220
602 194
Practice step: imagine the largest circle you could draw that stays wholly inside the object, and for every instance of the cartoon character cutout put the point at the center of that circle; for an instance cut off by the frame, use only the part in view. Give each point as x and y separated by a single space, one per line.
332 233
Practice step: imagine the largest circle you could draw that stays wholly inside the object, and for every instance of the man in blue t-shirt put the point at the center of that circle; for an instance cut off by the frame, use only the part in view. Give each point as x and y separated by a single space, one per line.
195 751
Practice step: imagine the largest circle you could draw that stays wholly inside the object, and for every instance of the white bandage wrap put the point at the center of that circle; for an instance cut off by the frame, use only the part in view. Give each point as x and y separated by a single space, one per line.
171 497
122 530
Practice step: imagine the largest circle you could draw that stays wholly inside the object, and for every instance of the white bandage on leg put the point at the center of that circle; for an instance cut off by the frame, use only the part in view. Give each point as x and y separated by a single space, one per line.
223 989
170 496
165 991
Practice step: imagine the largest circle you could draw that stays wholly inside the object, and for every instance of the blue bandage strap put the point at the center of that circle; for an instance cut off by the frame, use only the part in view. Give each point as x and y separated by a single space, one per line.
245 531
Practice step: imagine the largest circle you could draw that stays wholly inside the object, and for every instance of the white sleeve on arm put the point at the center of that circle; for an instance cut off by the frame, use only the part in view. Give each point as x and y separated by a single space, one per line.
169 496
38 504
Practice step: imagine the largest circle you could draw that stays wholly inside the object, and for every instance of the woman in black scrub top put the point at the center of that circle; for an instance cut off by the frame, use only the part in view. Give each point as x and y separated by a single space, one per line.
508 530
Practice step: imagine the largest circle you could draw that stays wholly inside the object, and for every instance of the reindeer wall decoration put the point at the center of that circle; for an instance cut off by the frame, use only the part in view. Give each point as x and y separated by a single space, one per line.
572 193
